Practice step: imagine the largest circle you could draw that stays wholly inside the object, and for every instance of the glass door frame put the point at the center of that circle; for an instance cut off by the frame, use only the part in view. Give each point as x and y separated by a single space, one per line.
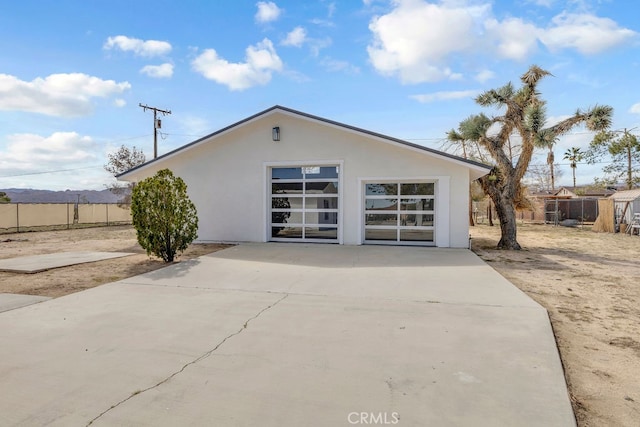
269 166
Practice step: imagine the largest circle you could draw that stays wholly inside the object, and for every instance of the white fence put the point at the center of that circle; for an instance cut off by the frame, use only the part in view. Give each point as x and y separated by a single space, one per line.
16 217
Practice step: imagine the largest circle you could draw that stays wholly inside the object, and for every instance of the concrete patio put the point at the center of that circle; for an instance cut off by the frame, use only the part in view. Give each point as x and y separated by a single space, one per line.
288 335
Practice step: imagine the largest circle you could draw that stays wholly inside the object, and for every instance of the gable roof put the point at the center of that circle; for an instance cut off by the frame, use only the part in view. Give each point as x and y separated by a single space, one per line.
626 195
288 111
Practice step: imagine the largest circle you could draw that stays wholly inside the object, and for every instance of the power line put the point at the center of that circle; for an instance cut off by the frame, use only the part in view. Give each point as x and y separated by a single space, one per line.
52 171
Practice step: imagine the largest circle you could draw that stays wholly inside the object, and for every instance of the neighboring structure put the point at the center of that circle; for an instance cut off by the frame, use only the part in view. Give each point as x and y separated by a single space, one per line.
284 175
626 203
555 207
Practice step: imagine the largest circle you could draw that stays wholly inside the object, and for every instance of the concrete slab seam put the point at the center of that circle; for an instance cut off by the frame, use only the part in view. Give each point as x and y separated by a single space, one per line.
288 292
201 357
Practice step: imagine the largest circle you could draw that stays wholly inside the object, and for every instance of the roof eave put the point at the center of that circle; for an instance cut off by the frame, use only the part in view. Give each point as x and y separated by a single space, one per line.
471 164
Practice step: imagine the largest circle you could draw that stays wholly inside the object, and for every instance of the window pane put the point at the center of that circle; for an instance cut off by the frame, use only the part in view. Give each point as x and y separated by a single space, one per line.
286 217
416 204
370 234
286 202
286 173
381 219
322 187
287 232
320 172
420 220
321 203
286 188
417 189
321 217
416 235
320 233
382 204
381 189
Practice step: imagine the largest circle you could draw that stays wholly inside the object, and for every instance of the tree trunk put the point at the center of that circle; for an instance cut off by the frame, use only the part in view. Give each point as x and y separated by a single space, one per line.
490 214
471 222
508 226
505 210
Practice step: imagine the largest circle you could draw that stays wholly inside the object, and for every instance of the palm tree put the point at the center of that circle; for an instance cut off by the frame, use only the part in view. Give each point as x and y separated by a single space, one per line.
574 155
547 139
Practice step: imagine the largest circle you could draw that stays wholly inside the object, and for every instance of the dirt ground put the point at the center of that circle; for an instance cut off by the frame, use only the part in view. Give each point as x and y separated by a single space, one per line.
66 280
590 284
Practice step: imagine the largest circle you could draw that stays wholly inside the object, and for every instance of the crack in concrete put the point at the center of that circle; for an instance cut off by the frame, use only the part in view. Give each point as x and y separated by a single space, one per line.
203 356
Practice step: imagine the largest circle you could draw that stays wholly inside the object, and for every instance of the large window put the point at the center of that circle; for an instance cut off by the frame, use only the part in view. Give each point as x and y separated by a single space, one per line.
399 212
304 203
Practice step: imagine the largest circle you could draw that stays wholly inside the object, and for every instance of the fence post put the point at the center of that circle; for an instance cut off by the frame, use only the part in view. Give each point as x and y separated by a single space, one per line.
107 206
17 217
68 215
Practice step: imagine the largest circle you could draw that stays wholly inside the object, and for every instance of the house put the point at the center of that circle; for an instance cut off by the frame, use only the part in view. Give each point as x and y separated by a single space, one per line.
284 175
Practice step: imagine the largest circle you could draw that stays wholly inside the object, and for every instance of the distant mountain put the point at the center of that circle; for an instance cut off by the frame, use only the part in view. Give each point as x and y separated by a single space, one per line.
21 195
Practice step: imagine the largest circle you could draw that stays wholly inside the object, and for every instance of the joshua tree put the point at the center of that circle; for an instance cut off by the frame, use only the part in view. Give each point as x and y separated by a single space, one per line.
524 116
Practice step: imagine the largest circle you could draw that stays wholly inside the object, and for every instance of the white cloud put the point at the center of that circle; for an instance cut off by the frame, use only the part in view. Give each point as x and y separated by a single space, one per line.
485 75
34 153
316 45
419 41
515 38
146 48
335 65
588 34
260 61
158 71
415 40
119 102
195 125
635 108
268 11
295 37
62 95
444 96
331 9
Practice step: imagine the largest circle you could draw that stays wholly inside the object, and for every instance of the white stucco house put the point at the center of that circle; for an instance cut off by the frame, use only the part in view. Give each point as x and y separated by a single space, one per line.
285 175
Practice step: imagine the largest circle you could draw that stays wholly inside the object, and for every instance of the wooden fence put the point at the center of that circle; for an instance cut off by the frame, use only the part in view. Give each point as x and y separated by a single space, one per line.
17 217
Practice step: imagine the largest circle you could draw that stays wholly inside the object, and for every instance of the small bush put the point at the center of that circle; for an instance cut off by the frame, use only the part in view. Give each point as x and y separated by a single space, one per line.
165 219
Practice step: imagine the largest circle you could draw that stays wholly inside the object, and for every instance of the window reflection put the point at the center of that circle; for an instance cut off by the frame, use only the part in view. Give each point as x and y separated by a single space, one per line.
416 220
286 173
320 233
381 189
376 234
381 219
321 187
381 204
416 235
287 232
416 204
417 189
286 188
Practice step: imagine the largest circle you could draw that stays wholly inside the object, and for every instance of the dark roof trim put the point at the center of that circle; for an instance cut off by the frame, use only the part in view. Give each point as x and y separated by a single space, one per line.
316 118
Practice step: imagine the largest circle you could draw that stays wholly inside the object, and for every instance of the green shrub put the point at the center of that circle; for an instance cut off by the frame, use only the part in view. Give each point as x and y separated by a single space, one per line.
165 219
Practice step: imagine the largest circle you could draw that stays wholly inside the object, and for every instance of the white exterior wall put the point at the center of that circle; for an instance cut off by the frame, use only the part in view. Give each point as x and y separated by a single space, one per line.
228 177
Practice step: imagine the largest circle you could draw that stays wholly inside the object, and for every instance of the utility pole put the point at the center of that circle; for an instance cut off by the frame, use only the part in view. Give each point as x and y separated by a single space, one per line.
157 124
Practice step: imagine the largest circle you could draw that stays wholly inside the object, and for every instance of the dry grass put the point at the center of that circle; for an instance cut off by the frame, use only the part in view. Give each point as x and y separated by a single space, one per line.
66 280
590 284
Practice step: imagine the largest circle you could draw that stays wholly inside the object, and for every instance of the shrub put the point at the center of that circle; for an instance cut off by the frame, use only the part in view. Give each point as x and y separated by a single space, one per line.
165 219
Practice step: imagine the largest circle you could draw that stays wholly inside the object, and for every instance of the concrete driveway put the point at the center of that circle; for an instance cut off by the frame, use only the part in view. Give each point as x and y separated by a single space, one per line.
288 335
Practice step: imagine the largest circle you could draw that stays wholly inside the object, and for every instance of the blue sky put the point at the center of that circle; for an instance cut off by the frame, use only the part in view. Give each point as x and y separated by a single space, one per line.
72 73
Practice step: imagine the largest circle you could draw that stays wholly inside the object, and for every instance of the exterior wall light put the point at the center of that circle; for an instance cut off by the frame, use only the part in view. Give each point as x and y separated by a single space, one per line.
275 133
